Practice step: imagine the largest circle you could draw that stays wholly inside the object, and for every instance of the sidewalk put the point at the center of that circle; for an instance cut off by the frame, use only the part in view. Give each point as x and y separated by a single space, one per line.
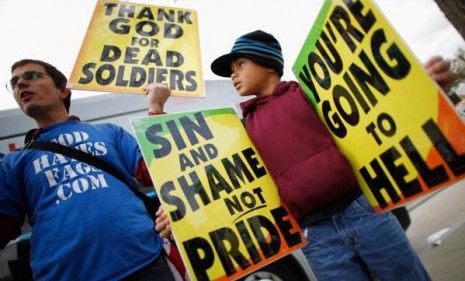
444 210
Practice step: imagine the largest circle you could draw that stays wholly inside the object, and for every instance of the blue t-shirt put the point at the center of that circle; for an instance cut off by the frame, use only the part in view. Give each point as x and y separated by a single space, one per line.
87 225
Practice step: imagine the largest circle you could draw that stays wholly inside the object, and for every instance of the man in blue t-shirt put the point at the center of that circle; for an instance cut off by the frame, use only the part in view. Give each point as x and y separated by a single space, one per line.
86 224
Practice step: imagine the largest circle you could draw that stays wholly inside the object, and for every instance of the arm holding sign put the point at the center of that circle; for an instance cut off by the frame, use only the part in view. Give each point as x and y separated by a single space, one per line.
157 95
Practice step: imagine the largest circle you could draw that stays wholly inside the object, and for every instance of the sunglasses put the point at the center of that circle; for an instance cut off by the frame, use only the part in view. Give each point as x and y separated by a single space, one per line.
28 76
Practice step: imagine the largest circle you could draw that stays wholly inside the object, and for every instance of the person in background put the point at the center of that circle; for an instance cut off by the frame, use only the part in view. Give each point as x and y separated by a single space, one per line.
86 224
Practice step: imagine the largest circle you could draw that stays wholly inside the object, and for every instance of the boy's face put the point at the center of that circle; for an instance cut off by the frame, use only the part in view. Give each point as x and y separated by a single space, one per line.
248 77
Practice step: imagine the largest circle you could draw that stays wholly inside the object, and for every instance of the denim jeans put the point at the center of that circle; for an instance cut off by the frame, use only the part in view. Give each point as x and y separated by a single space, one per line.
158 270
357 244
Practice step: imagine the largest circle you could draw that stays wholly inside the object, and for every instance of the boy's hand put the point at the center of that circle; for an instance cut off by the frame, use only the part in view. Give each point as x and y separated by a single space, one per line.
439 70
157 95
162 224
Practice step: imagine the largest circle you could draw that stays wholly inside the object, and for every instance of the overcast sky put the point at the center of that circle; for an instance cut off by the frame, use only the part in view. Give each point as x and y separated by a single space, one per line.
53 30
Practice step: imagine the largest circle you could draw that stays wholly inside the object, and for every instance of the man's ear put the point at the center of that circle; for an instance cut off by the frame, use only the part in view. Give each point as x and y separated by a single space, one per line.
65 92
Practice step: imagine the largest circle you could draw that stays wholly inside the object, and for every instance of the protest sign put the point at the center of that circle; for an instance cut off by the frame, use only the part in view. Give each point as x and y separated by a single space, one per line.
223 205
129 45
394 124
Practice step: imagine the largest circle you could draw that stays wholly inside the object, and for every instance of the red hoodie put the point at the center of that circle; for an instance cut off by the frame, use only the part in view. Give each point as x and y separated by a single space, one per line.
298 151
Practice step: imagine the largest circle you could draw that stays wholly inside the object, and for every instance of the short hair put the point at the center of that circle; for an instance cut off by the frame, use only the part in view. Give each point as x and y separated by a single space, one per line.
57 76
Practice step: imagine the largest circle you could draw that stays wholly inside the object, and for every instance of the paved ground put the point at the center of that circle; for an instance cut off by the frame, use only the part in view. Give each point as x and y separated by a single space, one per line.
445 210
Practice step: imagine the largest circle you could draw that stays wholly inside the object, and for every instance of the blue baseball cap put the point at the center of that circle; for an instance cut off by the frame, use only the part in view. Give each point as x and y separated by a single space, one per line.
259 46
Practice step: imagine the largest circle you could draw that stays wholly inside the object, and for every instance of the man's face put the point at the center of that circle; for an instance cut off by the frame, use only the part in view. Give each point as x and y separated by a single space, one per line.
34 90
248 77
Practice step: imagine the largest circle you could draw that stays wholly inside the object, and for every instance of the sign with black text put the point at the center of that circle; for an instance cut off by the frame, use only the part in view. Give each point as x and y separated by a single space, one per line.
399 131
130 45
224 209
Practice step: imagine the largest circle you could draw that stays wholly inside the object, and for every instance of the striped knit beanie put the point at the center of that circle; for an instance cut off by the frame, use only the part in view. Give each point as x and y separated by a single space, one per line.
259 46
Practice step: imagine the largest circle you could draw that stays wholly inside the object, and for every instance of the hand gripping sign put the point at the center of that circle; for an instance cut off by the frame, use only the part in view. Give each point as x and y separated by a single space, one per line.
224 208
129 45
398 130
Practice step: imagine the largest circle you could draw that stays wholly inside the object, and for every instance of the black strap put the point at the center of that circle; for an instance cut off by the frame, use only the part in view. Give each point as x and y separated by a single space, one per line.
150 203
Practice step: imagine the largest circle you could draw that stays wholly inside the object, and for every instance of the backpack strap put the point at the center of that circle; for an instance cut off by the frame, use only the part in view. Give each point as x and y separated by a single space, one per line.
151 204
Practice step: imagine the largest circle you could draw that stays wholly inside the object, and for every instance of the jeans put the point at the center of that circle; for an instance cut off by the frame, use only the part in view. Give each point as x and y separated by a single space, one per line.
158 270
357 244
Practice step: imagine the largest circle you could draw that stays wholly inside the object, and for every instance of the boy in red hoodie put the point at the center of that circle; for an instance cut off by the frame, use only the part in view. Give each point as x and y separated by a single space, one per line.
346 237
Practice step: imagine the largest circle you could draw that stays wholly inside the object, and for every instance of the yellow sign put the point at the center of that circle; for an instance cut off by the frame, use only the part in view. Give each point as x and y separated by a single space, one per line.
224 208
129 45
398 130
